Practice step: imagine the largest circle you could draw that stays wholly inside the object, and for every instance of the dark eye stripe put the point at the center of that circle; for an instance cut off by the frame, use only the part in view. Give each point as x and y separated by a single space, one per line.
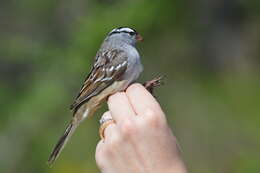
132 33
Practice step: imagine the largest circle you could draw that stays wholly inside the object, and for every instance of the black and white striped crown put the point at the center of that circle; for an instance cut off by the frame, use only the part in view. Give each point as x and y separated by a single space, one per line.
123 30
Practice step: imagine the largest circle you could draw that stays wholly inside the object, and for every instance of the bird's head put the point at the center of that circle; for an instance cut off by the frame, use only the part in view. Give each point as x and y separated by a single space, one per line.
125 34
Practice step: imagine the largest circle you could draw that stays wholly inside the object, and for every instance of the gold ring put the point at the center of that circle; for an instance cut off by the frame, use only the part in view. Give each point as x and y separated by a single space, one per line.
103 126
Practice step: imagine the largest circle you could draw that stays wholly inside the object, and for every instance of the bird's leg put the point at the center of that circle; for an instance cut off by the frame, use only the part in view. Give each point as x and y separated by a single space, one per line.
151 84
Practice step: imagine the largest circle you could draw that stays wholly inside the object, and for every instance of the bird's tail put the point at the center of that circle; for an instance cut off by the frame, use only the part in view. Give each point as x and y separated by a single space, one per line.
62 142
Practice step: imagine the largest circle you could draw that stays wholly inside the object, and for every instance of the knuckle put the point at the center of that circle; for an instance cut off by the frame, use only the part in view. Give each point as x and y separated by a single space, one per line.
108 151
114 141
127 129
153 118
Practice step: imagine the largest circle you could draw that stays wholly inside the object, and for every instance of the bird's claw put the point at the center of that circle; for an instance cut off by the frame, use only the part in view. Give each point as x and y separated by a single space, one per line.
151 84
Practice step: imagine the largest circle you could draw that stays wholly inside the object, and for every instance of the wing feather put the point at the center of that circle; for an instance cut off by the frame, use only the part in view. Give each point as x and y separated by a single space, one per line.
108 67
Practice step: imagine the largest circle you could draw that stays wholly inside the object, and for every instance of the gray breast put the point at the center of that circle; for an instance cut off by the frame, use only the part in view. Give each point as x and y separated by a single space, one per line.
134 67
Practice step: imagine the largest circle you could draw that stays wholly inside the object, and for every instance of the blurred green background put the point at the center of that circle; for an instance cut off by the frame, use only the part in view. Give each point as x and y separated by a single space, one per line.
207 49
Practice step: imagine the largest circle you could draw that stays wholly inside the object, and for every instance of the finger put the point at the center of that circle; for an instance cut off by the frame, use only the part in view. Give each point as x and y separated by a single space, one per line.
111 128
120 107
99 155
142 101
99 147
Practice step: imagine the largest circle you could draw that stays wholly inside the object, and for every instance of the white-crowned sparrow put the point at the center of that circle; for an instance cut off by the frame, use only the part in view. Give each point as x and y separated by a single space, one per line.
117 65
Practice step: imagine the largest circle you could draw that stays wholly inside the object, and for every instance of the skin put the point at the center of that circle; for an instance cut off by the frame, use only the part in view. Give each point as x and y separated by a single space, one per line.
140 141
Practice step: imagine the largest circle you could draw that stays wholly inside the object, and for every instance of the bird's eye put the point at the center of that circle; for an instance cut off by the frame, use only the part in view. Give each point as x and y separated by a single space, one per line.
132 33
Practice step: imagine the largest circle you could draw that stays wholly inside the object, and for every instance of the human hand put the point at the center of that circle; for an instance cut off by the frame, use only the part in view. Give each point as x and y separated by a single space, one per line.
140 140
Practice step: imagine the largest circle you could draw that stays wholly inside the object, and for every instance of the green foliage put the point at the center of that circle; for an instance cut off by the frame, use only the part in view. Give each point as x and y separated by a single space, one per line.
207 50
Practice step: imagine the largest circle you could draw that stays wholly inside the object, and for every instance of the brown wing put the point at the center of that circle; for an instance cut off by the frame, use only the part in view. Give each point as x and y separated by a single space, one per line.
109 67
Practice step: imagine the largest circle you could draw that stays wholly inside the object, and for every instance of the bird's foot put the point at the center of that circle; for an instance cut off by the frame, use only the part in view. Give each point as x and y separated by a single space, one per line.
151 84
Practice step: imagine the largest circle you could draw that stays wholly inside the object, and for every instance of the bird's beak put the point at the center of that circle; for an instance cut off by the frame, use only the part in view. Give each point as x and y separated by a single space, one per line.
138 37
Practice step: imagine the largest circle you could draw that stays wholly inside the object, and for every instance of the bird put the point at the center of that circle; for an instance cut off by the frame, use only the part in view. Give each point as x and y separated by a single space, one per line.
117 64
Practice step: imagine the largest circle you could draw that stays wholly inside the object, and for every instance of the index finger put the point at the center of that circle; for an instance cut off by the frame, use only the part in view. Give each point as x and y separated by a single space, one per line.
120 107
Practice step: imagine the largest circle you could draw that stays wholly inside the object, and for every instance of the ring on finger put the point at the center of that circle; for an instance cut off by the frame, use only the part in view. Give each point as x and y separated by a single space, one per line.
104 123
